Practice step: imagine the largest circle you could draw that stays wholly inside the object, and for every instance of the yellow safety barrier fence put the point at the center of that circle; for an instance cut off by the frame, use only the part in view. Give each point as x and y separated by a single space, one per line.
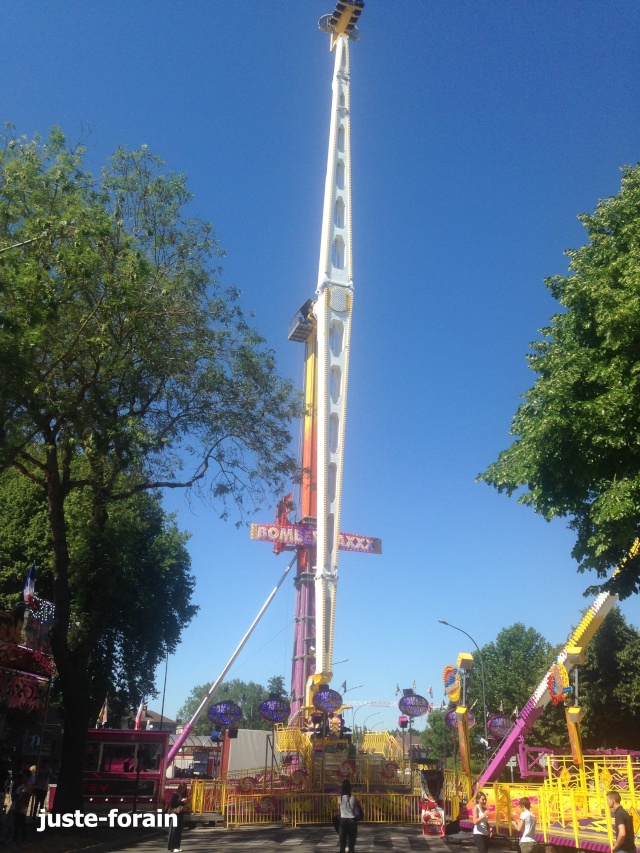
305 808
207 797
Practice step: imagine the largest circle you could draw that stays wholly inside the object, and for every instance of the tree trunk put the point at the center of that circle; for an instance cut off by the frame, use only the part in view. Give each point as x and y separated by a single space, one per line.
71 666
76 713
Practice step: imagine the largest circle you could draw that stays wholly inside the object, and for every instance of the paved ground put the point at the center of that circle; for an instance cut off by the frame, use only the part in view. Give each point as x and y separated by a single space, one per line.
372 838
311 839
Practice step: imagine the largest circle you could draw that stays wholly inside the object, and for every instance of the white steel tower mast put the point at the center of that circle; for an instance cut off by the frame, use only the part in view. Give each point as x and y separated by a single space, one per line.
333 317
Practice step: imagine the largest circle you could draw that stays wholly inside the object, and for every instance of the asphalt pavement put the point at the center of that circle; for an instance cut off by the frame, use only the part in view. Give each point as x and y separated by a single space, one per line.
372 838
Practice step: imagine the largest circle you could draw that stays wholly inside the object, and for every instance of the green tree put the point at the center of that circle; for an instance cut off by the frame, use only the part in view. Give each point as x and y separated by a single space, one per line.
513 665
276 686
247 694
439 740
124 367
609 684
577 448
146 599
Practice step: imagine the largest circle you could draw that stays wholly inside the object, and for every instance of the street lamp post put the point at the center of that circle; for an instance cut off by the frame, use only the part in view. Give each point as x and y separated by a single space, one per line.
484 699
376 714
353 718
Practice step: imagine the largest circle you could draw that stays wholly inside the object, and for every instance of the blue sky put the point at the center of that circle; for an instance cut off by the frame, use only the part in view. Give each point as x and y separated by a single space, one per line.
479 131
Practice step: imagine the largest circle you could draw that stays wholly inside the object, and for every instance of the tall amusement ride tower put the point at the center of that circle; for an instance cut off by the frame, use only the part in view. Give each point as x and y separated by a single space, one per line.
325 328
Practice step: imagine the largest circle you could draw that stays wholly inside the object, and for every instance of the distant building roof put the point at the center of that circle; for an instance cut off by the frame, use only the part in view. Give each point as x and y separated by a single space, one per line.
153 717
197 742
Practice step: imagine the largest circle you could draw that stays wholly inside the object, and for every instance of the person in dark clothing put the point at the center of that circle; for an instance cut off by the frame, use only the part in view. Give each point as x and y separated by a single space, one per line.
20 807
348 829
177 805
625 836
40 784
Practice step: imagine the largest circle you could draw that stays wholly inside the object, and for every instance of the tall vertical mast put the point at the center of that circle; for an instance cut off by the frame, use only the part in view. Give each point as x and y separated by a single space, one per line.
325 327
333 316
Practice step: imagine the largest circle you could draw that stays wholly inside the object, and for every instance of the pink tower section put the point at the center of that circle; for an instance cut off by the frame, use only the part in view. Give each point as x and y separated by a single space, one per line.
304 633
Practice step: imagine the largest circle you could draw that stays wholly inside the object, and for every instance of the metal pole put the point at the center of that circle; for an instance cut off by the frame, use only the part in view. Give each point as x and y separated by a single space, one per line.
266 755
404 755
189 727
484 700
410 755
273 754
164 689
44 723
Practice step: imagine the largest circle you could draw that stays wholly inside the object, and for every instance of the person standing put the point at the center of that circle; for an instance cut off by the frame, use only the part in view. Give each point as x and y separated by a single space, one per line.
481 828
526 827
177 806
625 836
40 788
348 829
20 808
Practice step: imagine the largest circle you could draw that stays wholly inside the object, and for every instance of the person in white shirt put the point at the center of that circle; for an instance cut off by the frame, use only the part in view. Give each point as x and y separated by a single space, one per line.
526 826
348 829
481 828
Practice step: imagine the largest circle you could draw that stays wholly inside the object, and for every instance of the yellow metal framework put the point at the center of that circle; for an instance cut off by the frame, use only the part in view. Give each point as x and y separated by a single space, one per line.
384 744
570 804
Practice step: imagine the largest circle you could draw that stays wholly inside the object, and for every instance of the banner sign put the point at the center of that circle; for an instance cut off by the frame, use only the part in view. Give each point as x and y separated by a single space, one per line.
274 710
225 713
452 721
21 691
327 700
500 726
414 706
300 536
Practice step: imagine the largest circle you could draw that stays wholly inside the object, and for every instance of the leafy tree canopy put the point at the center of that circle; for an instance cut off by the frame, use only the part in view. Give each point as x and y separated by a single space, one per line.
577 448
247 694
117 341
146 599
276 686
439 740
514 664
124 366
609 684
513 667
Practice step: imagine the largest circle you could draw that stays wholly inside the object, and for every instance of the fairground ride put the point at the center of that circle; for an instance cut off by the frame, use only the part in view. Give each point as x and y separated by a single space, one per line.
378 769
324 326
554 687
567 791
